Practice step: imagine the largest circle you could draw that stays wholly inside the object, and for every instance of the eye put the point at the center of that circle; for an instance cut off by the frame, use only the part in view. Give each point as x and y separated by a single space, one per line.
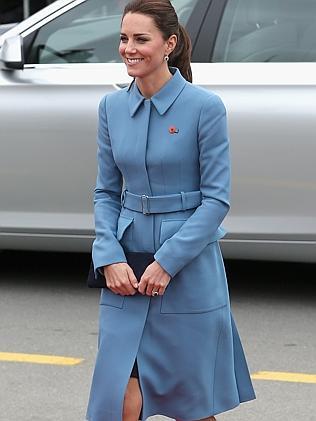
142 40
123 38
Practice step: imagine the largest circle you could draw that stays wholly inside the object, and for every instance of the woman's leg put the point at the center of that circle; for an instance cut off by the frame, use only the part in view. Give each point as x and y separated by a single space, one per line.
132 401
208 419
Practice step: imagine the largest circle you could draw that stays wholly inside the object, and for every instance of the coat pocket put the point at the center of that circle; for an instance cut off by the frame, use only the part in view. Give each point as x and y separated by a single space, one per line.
168 228
200 287
124 232
108 298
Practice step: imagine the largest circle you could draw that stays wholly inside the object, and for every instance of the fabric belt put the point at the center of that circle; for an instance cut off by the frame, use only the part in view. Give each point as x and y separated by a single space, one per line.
161 204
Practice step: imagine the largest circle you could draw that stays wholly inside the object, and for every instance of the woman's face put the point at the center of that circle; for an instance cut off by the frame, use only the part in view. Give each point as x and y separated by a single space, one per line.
142 46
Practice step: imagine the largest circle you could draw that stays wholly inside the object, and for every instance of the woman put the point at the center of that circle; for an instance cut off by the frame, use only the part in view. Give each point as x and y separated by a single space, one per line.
167 342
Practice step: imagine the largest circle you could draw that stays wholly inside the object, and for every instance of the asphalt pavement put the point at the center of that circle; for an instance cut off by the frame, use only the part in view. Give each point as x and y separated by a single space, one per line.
48 337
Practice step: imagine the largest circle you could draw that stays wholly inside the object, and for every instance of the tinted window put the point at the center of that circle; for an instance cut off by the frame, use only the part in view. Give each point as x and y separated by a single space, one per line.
267 31
88 33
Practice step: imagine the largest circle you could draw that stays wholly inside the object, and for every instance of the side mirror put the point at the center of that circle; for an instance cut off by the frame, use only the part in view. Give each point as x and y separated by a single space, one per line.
11 53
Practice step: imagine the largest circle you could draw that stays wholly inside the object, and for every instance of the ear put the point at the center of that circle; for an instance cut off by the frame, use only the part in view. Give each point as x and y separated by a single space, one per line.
171 43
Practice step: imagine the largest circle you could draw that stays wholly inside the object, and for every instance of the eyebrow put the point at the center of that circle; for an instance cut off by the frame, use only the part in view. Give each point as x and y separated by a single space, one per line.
137 35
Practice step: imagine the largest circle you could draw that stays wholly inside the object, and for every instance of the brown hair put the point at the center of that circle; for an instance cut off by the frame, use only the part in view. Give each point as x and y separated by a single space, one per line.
166 20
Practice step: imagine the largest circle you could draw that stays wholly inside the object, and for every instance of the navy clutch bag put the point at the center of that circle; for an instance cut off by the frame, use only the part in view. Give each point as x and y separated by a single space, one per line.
138 261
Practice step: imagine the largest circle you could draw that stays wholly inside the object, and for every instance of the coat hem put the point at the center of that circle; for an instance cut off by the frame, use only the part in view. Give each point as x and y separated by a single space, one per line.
200 416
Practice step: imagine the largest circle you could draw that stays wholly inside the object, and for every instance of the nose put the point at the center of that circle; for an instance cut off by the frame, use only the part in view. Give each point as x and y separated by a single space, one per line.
130 47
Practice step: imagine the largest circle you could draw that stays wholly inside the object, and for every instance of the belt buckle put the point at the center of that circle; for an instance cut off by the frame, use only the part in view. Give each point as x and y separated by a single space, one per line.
145 204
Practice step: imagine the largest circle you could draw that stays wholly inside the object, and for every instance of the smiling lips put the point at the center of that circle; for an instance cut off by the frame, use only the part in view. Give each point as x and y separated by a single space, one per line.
133 61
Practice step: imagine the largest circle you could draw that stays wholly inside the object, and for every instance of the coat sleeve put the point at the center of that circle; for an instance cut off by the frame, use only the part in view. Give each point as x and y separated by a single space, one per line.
214 160
106 249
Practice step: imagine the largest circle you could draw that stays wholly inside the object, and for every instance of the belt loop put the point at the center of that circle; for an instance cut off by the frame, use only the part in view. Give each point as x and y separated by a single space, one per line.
183 200
123 195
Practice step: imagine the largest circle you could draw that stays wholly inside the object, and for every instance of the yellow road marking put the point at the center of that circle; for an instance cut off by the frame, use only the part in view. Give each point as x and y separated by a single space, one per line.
284 376
39 359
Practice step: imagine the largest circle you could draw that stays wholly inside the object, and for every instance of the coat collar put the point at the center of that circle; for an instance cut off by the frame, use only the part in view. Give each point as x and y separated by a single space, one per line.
163 99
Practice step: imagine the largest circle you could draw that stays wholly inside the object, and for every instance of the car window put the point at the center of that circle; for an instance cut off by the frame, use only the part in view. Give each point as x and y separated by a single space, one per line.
88 33
267 31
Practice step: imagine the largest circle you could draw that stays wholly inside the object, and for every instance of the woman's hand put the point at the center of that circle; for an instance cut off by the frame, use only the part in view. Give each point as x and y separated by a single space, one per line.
120 278
155 278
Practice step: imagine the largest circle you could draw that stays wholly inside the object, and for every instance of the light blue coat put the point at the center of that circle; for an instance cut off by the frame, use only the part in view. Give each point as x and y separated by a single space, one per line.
190 358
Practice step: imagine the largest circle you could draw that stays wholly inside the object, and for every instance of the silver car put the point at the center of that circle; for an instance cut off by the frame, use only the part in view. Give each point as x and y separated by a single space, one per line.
259 56
5 27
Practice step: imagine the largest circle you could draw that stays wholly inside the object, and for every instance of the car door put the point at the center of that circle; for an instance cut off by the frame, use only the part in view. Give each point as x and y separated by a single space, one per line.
259 56
49 122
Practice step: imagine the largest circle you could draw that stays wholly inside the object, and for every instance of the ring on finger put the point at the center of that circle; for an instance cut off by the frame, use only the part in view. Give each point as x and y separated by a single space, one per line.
155 293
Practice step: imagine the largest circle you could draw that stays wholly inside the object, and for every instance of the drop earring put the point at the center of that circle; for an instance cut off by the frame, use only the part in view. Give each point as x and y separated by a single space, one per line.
166 57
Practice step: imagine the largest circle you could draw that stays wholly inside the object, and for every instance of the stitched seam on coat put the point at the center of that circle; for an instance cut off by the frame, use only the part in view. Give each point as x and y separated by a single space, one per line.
217 346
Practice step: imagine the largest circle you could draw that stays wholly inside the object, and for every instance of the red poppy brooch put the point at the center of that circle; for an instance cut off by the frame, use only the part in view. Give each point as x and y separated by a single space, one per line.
173 130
